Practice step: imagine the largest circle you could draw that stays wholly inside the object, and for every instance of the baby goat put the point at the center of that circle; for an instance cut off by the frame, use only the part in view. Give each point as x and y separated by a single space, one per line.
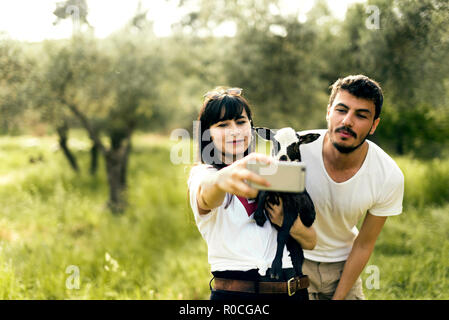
286 144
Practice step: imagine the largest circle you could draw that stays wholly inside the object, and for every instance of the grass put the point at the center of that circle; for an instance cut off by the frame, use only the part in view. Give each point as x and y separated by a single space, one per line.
52 219
412 256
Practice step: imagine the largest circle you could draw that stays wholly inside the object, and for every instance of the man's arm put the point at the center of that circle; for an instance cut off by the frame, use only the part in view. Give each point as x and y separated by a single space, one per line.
306 237
360 254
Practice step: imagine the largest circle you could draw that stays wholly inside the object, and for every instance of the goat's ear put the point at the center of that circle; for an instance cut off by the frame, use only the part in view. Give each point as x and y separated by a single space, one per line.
307 138
265 133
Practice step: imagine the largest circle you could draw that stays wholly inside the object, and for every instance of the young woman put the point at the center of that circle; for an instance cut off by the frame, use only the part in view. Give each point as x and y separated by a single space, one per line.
239 251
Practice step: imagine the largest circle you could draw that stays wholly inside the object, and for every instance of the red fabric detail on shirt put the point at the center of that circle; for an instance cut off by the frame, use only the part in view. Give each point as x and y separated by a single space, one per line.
250 207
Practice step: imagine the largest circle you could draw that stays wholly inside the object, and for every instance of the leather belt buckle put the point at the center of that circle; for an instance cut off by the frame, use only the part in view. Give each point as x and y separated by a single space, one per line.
290 292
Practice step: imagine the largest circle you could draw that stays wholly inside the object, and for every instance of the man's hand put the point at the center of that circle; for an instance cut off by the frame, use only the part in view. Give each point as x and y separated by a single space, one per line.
306 237
275 213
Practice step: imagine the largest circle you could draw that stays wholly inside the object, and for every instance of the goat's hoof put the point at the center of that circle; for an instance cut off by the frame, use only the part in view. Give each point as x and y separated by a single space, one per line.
276 272
274 276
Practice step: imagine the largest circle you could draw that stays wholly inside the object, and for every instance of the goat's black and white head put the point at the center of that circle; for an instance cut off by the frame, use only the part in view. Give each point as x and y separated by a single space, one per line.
286 142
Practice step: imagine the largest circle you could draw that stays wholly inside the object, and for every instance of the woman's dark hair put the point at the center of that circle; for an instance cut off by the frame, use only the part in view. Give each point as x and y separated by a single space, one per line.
221 107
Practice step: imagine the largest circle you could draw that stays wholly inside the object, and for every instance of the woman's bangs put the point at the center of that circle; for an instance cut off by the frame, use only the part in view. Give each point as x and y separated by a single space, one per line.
230 109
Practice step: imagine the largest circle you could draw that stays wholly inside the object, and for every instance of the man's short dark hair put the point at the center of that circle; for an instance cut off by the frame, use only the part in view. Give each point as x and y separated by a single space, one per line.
359 86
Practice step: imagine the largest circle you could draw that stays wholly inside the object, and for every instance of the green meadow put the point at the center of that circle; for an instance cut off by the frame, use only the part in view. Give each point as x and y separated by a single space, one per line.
59 241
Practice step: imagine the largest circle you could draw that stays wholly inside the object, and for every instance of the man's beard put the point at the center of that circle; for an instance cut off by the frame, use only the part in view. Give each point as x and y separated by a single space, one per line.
349 149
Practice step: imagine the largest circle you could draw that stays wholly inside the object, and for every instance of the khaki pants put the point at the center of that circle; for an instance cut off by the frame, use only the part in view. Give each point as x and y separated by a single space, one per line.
324 278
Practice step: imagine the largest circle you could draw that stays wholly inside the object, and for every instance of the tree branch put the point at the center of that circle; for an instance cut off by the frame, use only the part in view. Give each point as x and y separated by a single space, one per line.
86 124
84 120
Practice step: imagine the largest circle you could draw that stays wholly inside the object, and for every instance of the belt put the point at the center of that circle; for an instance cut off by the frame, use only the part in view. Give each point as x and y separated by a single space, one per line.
290 287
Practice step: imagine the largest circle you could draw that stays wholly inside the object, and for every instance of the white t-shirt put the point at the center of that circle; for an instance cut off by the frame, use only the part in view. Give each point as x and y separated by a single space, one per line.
235 242
377 188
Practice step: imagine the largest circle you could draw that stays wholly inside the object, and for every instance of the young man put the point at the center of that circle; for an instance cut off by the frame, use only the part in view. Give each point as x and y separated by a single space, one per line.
347 177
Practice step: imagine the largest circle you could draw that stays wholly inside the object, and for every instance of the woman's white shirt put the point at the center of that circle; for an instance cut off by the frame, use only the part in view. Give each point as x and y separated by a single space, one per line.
234 240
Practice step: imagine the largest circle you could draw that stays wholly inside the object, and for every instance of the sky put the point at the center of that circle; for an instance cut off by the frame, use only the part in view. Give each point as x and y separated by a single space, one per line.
32 20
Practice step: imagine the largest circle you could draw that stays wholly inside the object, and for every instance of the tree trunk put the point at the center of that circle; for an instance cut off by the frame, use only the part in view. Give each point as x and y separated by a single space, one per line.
116 166
93 159
62 133
116 157
124 171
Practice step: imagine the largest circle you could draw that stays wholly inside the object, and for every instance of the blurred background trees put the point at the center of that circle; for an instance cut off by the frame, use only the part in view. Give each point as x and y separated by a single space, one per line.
285 62
15 66
406 55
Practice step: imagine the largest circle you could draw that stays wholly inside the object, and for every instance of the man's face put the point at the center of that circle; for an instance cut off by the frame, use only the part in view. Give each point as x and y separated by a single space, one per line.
350 120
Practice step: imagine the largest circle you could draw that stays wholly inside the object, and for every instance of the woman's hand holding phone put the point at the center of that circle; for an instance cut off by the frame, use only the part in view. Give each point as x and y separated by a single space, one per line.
233 178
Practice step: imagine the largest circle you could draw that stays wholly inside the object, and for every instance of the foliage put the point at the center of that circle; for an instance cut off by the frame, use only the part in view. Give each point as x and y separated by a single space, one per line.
15 65
284 64
405 55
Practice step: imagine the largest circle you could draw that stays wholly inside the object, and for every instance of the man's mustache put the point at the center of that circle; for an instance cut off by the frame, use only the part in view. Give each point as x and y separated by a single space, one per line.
348 130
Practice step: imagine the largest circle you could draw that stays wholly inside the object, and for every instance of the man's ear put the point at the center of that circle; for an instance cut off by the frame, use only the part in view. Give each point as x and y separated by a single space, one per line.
374 127
265 133
308 138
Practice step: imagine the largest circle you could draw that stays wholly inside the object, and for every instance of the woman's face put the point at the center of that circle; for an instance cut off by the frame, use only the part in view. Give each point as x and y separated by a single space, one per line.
232 137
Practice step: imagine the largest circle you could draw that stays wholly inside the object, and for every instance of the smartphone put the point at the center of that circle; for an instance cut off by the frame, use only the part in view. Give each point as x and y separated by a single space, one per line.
283 176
